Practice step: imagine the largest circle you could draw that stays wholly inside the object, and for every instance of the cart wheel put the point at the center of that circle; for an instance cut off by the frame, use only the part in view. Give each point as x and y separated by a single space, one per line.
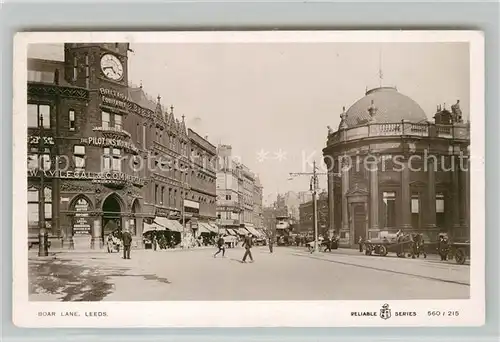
460 256
382 250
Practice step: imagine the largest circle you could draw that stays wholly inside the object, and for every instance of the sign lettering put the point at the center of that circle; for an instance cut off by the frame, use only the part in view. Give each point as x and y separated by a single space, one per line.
103 142
81 223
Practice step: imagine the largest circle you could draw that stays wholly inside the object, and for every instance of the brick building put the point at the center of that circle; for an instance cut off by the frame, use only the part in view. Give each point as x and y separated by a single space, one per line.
113 157
413 181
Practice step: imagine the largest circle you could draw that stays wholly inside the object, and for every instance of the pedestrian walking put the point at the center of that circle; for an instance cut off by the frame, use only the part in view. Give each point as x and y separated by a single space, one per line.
328 243
127 242
155 242
360 243
247 243
221 245
271 243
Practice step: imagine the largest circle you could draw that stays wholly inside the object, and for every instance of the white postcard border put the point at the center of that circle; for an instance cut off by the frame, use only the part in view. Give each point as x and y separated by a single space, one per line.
250 313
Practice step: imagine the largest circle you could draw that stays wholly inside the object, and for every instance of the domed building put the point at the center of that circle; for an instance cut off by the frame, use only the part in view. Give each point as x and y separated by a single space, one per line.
390 168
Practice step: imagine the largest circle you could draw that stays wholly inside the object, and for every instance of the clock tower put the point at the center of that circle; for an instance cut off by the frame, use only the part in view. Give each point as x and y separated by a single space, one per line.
97 65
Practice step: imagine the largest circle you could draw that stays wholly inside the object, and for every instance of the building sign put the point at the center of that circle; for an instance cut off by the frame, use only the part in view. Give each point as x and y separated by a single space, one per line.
35 140
109 142
191 204
113 98
89 175
194 224
81 223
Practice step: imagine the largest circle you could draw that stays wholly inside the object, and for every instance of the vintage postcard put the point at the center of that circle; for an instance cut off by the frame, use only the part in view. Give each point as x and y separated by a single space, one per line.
249 179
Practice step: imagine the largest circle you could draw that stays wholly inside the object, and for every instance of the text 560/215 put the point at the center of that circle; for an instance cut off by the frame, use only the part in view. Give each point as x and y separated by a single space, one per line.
443 313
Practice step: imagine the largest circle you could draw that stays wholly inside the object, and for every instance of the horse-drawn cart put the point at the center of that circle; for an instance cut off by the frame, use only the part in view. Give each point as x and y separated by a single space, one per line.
460 251
401 244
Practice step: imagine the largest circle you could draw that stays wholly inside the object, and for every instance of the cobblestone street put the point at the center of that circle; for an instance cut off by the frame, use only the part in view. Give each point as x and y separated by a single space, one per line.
287 274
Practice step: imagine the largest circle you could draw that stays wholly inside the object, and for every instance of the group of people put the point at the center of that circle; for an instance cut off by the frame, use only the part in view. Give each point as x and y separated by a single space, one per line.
114 242
247 244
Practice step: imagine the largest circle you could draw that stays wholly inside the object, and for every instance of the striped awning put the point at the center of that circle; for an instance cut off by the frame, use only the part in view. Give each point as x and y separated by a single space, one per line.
172 225
152 227
252 230
204 227
241 231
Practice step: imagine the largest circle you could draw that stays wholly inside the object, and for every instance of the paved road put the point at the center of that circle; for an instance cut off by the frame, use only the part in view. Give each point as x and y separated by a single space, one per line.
287 274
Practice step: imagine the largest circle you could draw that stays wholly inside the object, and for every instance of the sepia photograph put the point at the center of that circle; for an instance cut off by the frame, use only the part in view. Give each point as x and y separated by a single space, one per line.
261 170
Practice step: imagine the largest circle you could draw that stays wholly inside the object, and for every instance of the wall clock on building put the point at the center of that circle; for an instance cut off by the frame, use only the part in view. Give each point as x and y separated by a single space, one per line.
111 67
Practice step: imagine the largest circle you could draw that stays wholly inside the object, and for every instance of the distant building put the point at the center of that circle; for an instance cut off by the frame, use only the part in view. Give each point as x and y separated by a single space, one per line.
237 201
306 222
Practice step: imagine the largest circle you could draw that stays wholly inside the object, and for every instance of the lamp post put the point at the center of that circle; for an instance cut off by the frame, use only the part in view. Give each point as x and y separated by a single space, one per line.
313 187
42 241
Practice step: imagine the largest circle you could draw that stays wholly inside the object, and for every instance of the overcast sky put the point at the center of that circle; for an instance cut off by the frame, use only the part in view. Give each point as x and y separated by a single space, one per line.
267 97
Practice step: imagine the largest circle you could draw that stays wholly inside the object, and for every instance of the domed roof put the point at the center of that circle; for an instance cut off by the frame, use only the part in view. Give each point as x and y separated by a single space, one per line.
386 105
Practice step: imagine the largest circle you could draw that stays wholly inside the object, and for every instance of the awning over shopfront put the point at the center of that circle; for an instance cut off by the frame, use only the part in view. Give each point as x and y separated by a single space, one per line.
241 231
204 227
168 224
230 231
152 227
252 230
214 227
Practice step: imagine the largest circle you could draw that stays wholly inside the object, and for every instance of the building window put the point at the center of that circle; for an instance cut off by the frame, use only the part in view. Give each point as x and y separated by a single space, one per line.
105 117
162 195
71 120
415 210
75 68
106 156
41 76
79 157
156 194
37 112
87 71
118 121
440 215
33 206
117 164
144 136
389 205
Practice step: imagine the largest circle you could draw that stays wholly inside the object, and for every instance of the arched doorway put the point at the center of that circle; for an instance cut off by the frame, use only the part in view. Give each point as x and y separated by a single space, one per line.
111 216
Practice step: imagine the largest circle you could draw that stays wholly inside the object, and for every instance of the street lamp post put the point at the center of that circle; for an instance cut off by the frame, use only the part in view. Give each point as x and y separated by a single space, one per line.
42 241
314 189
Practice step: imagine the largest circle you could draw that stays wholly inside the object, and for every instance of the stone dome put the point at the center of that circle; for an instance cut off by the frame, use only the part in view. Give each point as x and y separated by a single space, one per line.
385 104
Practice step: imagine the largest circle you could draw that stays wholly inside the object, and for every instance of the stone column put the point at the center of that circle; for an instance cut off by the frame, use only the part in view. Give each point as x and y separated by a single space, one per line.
96 242
68 232
345 189
467 199
455 200
374 199
331 201
405 197
431 195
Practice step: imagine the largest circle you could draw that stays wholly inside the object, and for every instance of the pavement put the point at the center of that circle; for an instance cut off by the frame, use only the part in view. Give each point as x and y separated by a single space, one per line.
290 273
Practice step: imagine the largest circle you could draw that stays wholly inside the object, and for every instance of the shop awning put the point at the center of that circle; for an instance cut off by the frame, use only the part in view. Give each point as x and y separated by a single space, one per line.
203 227
252 230
230 231
152 227
168 224
241 231
214 228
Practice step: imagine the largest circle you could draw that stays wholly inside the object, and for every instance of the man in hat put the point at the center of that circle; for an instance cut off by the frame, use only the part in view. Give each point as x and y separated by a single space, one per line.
127 242
221 245
247 243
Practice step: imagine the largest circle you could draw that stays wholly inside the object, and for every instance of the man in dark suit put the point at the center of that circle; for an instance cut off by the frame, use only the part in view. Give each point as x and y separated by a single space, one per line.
127 242
247 243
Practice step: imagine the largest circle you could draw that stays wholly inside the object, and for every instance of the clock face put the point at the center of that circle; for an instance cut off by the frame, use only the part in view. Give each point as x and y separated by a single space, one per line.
111 67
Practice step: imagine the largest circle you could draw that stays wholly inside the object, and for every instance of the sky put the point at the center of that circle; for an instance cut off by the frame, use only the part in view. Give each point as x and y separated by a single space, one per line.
273 102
